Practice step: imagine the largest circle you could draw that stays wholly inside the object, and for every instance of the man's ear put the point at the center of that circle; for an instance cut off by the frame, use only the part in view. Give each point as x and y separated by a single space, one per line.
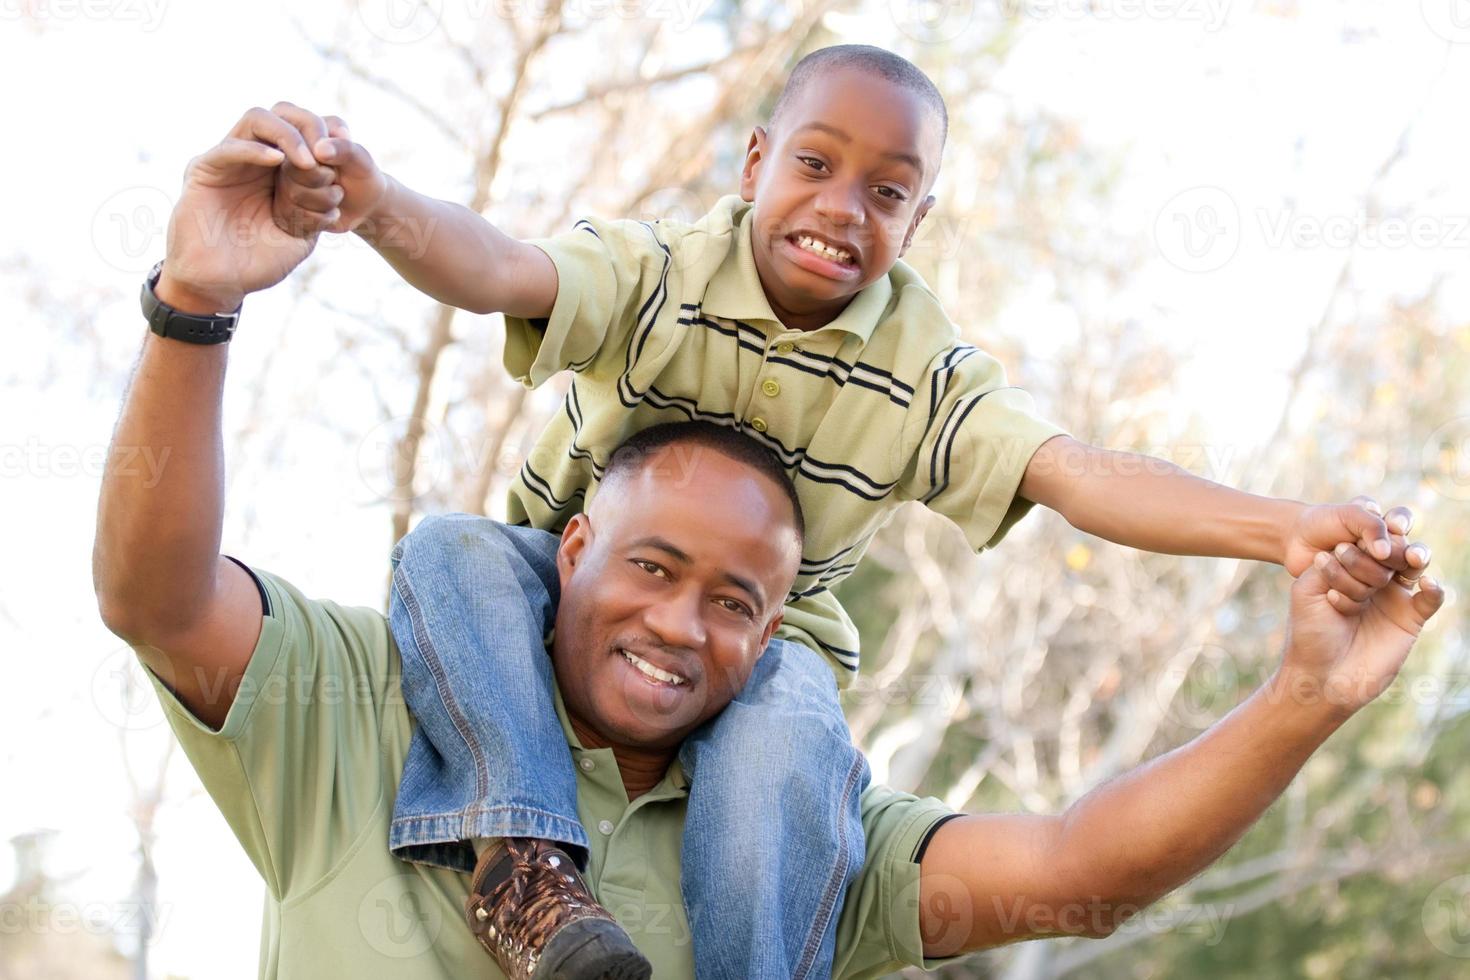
770 631
575 538
908 238
754 153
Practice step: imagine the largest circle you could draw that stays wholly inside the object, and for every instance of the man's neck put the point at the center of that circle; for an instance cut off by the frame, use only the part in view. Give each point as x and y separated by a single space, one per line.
641 769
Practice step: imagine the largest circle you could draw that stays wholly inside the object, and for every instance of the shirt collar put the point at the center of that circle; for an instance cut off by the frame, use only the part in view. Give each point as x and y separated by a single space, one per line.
673 785
734 292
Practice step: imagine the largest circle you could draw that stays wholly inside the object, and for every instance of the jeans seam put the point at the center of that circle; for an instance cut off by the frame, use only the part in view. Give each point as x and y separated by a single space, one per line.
828 902
431 660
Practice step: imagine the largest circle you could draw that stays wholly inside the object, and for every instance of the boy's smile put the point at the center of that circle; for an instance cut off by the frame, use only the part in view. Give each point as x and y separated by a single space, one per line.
840 183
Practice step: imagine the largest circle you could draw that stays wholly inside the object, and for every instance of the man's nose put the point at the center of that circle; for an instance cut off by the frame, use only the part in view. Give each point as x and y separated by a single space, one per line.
677 620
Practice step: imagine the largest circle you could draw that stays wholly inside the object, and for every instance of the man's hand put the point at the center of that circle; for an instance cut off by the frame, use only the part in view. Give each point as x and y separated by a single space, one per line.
232 232
1353 621
1323 527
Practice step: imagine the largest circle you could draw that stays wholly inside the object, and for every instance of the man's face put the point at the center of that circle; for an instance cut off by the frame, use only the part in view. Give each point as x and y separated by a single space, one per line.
849 162
672 584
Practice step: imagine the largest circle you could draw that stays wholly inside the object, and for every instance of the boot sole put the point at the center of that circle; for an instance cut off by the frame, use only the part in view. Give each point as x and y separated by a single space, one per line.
592 949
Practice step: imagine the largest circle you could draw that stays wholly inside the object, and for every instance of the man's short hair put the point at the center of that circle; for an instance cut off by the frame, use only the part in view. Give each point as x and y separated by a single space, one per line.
864 57
638 448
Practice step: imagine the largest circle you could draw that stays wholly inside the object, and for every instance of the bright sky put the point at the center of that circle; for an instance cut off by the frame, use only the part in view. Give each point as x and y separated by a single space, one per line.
1247 139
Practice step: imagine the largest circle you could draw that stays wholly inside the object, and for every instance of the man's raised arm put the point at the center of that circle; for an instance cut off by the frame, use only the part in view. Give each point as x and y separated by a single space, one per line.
160 580
987 880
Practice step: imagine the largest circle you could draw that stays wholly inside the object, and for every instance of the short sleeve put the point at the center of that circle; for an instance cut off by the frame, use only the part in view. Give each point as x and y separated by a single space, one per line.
973 445
296 767
878 932
607 272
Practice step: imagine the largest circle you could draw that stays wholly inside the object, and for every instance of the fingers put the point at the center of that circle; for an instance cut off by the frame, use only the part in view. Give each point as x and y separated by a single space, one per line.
272 130
1364 518
1428 599
234 152
1352 577
343 154
1353 573
337 126
311 126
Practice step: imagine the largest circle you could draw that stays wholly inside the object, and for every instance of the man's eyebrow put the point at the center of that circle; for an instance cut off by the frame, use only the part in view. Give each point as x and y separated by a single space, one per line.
740 582
902 157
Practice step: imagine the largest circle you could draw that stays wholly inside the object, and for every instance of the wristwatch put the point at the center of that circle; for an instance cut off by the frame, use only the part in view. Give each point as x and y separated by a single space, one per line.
193 328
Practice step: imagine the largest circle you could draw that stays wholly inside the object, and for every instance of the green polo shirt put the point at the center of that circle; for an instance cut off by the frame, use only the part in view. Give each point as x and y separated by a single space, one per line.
667 321
305 770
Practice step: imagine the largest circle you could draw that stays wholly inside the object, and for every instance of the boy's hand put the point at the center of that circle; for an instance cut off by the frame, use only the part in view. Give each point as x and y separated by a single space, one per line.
1347 639
358 186
1361 522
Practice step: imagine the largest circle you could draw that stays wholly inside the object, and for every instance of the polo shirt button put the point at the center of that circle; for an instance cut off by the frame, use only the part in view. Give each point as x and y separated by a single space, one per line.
587 765
605 826
771 387
785 347
758 424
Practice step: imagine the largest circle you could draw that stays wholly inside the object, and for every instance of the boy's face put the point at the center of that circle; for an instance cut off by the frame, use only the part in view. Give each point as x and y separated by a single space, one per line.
850 163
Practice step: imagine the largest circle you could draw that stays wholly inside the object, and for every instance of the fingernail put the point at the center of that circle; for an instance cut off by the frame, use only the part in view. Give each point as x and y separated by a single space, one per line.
1372 505
1420 552
1398 525
1432 584
1321 560
325 150
1382 549
1341 550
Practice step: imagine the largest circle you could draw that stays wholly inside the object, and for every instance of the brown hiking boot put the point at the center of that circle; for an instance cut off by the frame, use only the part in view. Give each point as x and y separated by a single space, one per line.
531 910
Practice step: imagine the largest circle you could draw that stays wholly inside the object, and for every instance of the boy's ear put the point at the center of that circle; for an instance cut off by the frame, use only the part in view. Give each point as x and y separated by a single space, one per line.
908 238
754 153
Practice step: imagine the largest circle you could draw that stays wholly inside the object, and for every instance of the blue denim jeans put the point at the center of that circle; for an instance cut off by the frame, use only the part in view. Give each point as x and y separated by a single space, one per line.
773 836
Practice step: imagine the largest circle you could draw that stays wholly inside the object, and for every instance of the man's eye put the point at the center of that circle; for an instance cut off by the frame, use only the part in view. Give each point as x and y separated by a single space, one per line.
649 567
735 606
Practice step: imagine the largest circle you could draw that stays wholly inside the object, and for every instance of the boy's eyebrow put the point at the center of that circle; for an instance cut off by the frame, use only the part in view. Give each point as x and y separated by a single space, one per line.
739 581
908 158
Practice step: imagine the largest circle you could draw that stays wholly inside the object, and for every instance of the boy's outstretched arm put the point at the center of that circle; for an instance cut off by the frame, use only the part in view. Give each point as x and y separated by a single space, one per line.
992 879
1154 505
443 249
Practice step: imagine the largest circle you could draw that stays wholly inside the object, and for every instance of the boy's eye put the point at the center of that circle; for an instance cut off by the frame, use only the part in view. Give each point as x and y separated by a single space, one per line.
892 192
812 162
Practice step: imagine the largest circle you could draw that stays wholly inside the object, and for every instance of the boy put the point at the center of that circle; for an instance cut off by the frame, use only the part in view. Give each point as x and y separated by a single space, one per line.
784 313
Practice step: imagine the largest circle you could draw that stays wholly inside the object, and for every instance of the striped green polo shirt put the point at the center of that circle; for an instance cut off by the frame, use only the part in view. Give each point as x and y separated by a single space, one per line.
667 321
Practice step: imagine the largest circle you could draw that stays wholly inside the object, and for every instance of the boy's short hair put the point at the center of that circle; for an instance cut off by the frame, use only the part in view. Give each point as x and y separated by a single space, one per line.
638 448
864 57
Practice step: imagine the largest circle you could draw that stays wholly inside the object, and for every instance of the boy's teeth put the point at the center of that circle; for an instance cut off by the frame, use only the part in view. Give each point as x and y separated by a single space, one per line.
825 251
651 670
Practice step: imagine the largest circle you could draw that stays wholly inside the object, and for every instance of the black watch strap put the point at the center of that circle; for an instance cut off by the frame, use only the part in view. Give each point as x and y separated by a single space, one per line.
193 328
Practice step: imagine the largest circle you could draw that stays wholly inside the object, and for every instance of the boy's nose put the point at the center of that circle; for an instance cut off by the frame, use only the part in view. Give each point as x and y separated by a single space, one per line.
839 204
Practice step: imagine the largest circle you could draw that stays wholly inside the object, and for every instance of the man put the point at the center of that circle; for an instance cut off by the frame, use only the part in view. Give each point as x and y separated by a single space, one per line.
291 709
